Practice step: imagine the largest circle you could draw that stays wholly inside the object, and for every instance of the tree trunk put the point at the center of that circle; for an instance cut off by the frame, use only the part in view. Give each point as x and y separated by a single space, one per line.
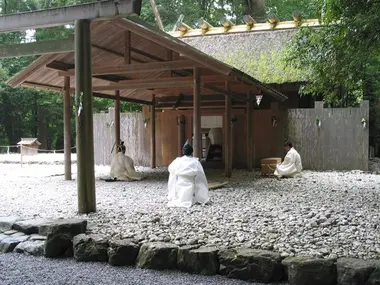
255 8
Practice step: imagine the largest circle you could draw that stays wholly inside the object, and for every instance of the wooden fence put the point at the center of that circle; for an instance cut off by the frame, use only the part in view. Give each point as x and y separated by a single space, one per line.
135 140
340 143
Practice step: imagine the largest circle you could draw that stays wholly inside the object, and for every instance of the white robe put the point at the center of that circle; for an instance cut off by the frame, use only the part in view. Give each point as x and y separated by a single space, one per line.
122 168
291 166
187 183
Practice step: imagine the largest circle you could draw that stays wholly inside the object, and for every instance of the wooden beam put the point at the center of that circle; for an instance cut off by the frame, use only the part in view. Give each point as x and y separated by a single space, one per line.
246 29
178 101
67 15
127 47
153 131
197 143
204 104
84 118
189 98
67 128
30 84
117 117
249 140
37 48
227 137
59 65
223 91
139 68
124 99
147 84
118 54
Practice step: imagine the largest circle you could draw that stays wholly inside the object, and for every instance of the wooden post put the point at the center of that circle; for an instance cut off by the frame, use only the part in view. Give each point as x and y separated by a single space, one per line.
181 133
117 118
153 131
227 136
248 124
67 128
127 47
157 14
21 154
84 118
197 143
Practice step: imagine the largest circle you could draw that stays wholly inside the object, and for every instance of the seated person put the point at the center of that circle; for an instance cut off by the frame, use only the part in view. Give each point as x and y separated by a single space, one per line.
292 165
122 167
187 181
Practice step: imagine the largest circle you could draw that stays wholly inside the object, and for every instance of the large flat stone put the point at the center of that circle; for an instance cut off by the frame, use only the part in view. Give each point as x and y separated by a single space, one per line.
6 223
157 255
90 248
250 264
353 271
36 248
202 260
72 226
8 244
122 252
308 271
31 226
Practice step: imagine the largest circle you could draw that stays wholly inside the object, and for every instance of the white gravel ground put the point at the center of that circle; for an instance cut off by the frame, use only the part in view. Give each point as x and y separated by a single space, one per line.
322 214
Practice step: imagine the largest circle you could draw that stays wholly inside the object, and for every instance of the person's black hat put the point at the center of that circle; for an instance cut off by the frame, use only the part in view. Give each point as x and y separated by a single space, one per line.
187 148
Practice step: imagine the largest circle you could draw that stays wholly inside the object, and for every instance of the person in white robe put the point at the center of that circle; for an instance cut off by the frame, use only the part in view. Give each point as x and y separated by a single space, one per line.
122 166
292 164
187 183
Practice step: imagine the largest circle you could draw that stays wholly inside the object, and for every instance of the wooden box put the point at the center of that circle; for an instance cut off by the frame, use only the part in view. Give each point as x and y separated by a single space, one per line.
268 165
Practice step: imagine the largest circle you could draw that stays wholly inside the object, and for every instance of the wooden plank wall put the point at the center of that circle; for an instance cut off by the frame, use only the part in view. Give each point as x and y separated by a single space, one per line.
268 140
340 143
132 132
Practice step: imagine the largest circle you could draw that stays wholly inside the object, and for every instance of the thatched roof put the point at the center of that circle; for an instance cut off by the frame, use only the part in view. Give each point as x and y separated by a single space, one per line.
28 141
258 54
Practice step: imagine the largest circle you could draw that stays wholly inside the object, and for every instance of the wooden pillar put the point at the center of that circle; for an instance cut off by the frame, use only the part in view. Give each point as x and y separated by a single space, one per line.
227 136
197 143
67 127
84 118
127 47
181 133
249 141
153 131
117 117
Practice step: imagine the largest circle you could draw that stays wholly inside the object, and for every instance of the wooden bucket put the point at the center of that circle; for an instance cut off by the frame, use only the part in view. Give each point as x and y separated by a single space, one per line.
268 165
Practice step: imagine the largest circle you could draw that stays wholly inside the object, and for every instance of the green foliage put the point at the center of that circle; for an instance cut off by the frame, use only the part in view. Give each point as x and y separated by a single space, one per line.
309 9
336 57
342 58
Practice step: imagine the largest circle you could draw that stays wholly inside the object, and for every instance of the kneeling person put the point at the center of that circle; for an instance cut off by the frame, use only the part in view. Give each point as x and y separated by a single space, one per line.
122 167
292 165
187 181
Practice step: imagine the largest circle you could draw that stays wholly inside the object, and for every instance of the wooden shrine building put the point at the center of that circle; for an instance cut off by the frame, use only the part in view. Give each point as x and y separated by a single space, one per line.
115 55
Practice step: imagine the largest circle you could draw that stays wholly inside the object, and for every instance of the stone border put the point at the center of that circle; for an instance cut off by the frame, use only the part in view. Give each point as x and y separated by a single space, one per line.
67 238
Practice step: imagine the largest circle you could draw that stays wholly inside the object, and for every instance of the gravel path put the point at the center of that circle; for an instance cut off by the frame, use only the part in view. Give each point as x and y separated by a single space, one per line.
322 214
24 270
